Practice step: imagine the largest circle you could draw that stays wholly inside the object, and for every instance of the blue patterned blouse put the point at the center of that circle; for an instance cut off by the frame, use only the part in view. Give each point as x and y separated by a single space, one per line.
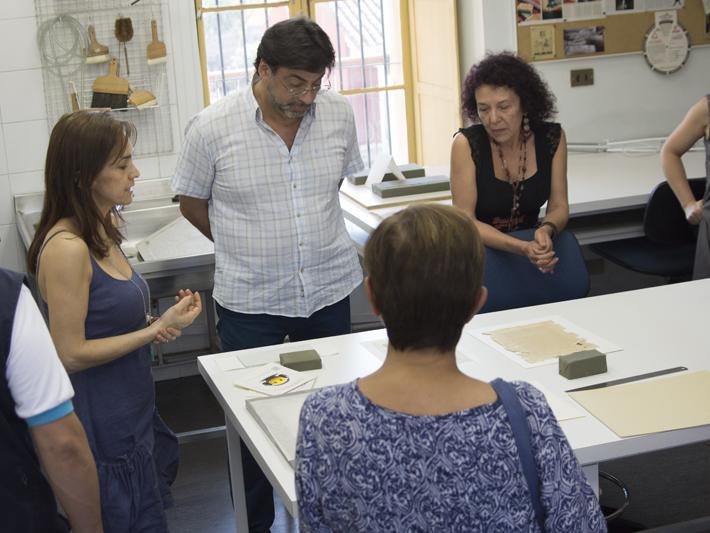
360 467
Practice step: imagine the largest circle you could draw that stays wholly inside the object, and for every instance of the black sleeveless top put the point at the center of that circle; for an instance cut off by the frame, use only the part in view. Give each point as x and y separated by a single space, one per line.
495 196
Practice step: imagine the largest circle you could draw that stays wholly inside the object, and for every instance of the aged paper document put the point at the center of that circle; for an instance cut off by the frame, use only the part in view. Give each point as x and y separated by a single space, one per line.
665 404
540 341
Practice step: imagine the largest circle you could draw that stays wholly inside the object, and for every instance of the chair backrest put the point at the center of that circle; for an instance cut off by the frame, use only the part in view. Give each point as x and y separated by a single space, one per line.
513 281
664 220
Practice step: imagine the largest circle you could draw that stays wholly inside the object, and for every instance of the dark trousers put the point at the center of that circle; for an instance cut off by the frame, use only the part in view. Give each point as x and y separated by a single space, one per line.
240 331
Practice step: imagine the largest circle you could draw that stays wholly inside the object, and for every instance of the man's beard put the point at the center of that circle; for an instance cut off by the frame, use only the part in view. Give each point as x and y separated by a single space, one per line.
287 109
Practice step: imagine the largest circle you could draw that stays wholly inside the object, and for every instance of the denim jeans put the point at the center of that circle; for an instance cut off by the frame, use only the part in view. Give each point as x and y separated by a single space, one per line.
240 331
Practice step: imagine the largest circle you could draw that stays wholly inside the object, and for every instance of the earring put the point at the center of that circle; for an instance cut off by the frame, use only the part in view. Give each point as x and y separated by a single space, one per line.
526 125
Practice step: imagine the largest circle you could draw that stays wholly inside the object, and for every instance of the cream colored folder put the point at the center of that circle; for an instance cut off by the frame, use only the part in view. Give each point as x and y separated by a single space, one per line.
664 404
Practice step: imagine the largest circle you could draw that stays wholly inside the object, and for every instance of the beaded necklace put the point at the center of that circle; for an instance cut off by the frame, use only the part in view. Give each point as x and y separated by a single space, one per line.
517 182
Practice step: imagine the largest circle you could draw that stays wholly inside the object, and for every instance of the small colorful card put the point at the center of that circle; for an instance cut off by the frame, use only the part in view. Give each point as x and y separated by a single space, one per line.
272 379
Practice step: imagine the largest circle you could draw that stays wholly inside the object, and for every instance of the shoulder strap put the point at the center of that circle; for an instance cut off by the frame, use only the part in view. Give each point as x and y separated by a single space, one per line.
521 433
45 243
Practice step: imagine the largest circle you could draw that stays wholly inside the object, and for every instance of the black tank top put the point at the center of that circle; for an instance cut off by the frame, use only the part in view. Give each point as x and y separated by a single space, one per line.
495 196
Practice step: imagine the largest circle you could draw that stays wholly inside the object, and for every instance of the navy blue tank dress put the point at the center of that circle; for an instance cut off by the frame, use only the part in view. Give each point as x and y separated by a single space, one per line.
136 453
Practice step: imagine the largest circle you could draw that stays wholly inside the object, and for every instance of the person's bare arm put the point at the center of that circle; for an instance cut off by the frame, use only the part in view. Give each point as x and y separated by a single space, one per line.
64 278
557 212
464 196
67 460
195 210
692 128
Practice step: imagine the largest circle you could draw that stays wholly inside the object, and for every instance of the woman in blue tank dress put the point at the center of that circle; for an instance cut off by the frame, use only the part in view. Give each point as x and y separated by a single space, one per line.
512 159
99 317
695 126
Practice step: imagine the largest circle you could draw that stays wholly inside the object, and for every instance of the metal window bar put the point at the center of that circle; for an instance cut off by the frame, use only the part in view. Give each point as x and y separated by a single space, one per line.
364 83
386 64
244 42
221 51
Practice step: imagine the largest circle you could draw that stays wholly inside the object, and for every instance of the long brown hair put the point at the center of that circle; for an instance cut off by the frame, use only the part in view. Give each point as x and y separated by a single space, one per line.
80 146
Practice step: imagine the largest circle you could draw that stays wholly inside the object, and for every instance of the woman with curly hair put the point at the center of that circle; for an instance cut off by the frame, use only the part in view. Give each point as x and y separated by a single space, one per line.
512 159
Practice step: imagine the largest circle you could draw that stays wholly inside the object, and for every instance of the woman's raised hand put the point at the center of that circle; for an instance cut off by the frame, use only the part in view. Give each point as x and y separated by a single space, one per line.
187 307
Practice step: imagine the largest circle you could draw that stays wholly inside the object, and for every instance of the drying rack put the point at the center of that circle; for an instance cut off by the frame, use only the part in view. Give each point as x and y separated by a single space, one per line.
62 37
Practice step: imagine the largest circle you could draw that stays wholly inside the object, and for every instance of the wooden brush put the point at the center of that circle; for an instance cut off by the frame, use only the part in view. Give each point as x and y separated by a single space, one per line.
96 52
124 33
110 90
142 99
156 52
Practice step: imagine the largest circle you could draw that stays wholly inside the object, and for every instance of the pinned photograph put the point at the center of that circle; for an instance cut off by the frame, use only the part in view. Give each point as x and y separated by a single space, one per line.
551 9
624 5
542 42
582 41
528 11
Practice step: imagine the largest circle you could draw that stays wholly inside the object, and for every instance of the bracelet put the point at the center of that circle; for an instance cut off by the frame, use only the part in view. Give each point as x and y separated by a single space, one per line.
555 231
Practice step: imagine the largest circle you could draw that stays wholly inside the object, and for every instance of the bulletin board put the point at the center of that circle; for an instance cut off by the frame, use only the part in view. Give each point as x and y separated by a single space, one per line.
623 32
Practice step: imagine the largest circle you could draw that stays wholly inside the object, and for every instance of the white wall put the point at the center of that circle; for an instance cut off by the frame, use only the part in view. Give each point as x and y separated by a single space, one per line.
23 119
627 100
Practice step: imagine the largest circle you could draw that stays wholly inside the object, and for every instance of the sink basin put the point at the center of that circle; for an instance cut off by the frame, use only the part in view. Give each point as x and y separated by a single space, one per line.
140 219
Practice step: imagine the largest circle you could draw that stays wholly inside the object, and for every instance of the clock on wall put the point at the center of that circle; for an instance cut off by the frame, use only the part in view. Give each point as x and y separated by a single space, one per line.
666 46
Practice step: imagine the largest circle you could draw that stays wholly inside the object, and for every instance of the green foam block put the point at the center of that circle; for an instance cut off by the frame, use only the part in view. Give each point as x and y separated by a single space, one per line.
409 170
582 364
390 189
301 360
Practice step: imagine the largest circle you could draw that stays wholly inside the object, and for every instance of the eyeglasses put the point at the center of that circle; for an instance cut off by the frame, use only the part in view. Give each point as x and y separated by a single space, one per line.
298 91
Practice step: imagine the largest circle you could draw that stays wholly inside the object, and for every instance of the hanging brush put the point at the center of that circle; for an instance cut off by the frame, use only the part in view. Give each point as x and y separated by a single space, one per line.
95 52
156 52
124 33
110 90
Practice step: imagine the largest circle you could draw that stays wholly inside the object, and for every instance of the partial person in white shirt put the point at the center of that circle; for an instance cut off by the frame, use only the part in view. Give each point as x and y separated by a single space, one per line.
37 421
259 174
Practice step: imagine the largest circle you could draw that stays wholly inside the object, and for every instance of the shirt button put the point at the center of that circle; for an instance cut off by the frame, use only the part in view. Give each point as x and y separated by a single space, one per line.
301 273
298 215
294 185
300 244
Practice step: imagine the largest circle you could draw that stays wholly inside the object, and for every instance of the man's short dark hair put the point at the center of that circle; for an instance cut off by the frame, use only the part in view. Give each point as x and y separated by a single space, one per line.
297 43
425 266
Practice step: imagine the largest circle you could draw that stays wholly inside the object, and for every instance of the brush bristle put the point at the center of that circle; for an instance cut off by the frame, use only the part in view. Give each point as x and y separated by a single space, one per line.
114 101
157 60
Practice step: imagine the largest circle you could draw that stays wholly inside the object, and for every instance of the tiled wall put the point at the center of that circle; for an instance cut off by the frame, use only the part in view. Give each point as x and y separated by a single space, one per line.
23 120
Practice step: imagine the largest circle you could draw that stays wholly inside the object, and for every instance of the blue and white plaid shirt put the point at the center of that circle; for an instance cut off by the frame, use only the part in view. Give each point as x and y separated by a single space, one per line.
281 246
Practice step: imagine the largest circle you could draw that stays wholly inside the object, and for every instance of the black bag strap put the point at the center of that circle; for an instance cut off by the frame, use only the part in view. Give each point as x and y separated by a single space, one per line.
521 433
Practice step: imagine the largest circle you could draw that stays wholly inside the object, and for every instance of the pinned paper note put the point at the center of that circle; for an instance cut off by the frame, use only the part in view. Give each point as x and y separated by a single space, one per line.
381 166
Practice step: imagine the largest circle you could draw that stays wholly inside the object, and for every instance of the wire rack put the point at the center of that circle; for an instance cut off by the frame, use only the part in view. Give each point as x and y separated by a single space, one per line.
63 39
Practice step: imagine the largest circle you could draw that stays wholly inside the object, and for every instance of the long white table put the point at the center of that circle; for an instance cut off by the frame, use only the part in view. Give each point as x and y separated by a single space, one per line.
656 328
598 183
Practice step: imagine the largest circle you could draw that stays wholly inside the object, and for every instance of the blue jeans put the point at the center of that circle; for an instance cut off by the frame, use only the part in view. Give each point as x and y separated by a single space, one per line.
240 331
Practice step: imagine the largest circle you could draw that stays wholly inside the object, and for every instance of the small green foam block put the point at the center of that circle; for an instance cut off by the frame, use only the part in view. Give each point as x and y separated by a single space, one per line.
301 360
407 187
410 170
582 364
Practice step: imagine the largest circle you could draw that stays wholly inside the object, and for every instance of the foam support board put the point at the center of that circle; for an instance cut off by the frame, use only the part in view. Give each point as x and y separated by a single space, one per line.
390 189
409 170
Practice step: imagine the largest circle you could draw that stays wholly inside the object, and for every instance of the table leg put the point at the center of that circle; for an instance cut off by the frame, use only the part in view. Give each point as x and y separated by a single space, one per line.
237 478
592 474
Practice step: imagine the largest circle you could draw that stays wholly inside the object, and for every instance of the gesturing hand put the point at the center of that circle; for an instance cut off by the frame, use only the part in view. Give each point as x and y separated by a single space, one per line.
179 316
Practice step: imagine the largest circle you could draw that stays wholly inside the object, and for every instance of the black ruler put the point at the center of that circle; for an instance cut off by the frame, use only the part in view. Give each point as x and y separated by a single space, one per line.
631 378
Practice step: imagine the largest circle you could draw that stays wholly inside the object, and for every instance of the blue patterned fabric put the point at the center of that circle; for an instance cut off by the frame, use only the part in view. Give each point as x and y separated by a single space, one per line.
361 467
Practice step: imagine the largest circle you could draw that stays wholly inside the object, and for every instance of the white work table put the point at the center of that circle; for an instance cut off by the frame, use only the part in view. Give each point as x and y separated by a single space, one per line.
656 328
598 183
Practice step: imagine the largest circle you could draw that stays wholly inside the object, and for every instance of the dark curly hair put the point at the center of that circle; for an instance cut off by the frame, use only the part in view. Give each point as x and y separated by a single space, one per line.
508 70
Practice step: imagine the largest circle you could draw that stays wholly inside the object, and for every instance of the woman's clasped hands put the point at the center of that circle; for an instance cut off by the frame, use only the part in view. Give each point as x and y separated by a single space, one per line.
169 326
540 252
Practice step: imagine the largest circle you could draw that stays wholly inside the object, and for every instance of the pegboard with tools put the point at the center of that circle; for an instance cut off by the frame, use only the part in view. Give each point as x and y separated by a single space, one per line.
108 54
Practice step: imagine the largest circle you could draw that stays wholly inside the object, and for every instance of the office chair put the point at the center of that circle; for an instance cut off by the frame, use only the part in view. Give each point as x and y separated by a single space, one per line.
668 247
514 282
